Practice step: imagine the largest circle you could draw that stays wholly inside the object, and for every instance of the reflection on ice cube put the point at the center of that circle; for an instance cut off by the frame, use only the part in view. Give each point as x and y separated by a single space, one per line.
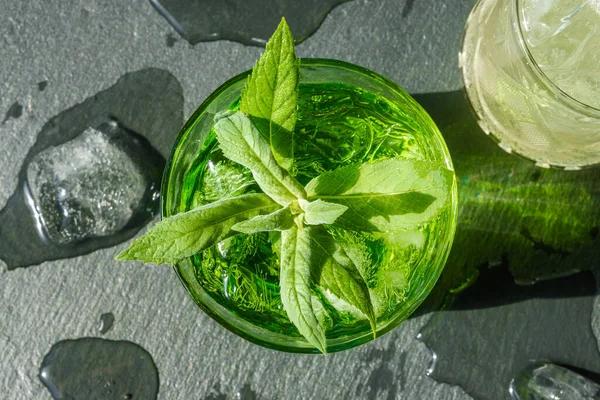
545 381
89 186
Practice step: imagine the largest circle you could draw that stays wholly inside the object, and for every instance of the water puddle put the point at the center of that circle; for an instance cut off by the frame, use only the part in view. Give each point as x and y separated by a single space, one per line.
92 178
92 368
249 22
495 328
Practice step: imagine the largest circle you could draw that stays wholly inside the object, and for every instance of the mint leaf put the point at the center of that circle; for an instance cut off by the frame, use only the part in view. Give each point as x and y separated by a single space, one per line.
191 232
385 195
241 142
279 220
321 212
339 275
271 94
295 284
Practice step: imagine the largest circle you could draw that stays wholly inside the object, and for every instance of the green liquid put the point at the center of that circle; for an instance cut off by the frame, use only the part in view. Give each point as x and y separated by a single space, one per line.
337 125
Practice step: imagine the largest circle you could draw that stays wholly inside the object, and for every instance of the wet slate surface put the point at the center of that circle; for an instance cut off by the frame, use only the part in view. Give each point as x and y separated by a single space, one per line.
498 327
54 56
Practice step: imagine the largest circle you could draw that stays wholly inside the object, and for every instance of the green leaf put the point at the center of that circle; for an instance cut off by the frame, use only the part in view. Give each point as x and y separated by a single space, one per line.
295 285
321 212
279 220
191 232
271 94
338 274
241 142
385 195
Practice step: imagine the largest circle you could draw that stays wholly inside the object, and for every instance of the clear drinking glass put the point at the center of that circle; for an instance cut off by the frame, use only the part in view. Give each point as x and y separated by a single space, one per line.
346 115
531 70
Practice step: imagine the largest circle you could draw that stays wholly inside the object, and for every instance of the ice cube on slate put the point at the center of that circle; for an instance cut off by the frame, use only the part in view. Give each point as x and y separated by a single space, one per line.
86 187
545 381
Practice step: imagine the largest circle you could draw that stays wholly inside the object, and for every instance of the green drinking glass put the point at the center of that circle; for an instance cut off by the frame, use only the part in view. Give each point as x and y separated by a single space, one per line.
347 115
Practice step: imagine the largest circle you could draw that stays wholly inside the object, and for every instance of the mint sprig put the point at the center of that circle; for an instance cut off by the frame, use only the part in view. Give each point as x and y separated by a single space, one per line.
380 196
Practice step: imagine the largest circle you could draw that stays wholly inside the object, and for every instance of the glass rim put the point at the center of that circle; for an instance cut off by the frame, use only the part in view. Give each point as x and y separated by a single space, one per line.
516 13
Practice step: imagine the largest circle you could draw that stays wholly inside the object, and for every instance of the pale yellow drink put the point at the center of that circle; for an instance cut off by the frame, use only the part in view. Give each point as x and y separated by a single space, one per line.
532 73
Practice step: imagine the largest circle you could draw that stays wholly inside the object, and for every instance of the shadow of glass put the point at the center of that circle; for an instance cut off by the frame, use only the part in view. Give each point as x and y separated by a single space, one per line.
537 223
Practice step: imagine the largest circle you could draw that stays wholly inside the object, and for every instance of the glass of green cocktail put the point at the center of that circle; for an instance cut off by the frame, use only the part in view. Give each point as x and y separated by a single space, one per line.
361 239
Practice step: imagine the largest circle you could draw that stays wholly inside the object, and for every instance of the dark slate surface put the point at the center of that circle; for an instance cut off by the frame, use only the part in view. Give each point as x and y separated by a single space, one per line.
54 55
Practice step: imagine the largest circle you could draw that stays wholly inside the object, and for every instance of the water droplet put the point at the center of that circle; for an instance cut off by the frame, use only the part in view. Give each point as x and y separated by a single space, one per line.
408 6
249 22
15 111
171 40
92 368
106 322
91 179
42 85
495 327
